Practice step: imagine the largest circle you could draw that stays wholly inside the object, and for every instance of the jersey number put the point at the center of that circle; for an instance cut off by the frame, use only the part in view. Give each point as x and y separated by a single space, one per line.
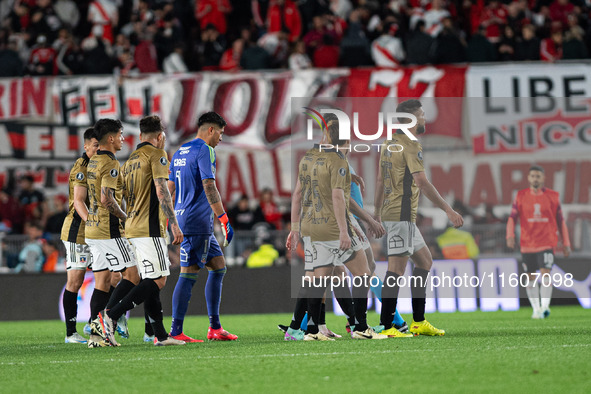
178 192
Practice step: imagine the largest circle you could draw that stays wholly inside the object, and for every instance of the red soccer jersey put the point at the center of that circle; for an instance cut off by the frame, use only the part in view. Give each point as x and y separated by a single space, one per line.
540 216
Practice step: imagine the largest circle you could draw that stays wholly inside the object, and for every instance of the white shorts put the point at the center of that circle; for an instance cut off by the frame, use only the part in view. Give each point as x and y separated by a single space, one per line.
403 238
326 253
152 257
363 239
114 254
78 256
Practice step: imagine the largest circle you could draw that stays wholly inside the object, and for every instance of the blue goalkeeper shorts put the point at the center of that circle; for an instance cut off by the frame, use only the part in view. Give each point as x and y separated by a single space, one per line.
199 249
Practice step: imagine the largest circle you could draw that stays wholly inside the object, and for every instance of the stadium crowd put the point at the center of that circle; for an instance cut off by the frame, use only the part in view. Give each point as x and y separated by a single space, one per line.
65 37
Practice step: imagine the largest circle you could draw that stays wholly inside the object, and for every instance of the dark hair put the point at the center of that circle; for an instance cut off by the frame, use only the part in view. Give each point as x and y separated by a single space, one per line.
536 168
89 134
211 118
28 177
151 124
333 132
104 127
409 106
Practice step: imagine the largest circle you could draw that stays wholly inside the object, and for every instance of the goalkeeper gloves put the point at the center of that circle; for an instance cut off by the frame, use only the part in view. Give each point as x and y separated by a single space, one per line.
226 228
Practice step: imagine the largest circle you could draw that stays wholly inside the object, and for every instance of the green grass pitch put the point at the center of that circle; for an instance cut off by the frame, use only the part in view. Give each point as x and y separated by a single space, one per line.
481 352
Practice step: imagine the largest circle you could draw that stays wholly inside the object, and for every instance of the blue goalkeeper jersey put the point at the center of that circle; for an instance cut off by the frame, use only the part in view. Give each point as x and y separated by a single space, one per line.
193 162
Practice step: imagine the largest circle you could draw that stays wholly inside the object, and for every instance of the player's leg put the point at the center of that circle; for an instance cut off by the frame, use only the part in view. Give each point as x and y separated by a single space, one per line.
315 292
532 289
545 282
148 330
193 255
216 267
77 260
423 262
123 252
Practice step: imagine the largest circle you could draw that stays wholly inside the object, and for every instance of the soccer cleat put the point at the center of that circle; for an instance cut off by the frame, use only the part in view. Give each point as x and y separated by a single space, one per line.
76 338
546 313
185 338
392 332
537 314
148 338
220 335
317 337
425 328
170 341
367 334
378 328
108 328
96 341
326 332
403 328
122 328
86 329
293 335
282 328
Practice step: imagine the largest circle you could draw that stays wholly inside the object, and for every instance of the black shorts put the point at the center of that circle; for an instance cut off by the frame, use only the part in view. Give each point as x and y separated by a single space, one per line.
534 261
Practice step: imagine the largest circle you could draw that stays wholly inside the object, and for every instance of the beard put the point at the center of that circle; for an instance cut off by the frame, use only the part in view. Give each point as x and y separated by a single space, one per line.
421 129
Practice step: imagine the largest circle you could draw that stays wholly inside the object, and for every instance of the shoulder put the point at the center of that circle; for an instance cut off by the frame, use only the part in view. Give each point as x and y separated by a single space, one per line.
552 194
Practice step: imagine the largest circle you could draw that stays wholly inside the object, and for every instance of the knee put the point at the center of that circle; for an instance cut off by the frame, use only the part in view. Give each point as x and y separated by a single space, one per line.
160 282
131 275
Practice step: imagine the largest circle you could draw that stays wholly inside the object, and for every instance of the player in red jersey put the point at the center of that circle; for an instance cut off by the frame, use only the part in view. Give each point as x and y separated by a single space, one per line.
538 210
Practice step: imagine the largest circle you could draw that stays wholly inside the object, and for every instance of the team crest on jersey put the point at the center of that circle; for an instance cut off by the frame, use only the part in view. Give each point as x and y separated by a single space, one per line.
163 161
114 173
80 176
342 171
420 155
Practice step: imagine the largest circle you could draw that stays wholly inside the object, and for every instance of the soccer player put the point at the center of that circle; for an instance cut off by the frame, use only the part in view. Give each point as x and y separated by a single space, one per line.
321 202
111 251
149 205
77 251
196 197
538 209
401 178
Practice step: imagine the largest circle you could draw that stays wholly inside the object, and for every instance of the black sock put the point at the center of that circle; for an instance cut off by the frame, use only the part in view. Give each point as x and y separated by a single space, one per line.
70 311
343 296
418 290
136 296
98 302
360 305
122 289
314 306
390 291
147 325
322 318
300 309
154 309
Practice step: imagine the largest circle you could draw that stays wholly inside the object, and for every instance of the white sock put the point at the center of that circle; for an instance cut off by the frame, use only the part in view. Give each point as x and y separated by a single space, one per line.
533 293
546 292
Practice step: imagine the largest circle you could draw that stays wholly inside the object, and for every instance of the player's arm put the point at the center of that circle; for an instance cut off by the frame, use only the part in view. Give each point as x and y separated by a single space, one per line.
433 195
296 210
165 201
378 201
80 194
340 212
510 231
171 189
375 227
110 204
563 231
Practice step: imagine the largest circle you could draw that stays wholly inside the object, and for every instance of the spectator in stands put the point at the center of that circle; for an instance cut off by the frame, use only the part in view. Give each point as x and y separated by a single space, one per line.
493 16
43 58
44 21
32 200
506 49
313 39
167 37
574 46
420 45
55 221
210 49
19 18
68 12
104 13
53 261
213 12
355 47
284 14
277 46
560 10
259 9
121 45
125 65
327 55
97 52
480 48
31 257
434 17
11 212
387 49
254 57
242 217
489 216
551 47
528 46
264 256
11 64
270 209
230 60
145 55
299 60
174 62
449 46
70 59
